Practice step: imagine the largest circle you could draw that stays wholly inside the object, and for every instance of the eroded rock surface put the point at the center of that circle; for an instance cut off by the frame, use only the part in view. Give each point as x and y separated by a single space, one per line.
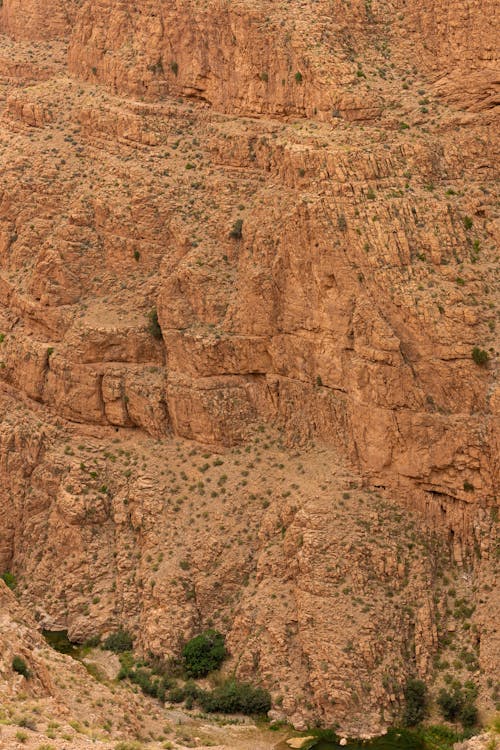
272 231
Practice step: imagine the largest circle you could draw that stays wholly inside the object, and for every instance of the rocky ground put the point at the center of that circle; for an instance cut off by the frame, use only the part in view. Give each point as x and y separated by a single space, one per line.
246 254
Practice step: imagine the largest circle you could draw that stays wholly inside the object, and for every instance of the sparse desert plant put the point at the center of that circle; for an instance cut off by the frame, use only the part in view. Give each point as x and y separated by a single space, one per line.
480 356
154 326
237 231
20 666
9 579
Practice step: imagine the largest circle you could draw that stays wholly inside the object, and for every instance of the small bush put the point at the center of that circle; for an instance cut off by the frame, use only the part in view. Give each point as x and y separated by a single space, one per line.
480 356
458 703
415 694
342 223
235 697
27 722
298 77
154 326
204 653
450 703
9 579
237 231
129 745
118 642
92 642
20 666
468 222
176 695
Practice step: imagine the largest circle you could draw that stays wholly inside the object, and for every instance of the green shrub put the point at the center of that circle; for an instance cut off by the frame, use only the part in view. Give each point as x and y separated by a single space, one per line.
176 695
235 697
133 745
480 356
468 715
468 222
154 326
458 703
237 231
92 642
9 579
415 694
298 77
149 686
20 666
450 703
204 653
118 642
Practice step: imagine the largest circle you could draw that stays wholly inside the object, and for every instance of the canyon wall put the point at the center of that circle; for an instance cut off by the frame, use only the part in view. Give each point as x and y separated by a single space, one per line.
263 239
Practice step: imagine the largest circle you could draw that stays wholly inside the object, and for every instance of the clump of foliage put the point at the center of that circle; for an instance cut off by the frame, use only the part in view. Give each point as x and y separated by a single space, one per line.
237 231
458 703
154 325
118 642
480 356
9 579
440 737
150 678
235 697
20 666
415 694
129 745
204 653
155 679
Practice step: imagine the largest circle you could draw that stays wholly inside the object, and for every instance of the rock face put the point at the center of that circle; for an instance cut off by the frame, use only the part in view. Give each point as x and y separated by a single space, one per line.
37 19
262 229
245 58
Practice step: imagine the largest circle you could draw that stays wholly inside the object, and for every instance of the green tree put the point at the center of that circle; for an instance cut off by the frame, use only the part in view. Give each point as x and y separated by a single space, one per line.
415 693
20 666
118 642
204 653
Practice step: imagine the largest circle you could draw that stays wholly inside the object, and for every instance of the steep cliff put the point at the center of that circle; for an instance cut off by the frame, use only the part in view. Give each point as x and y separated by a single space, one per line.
270 230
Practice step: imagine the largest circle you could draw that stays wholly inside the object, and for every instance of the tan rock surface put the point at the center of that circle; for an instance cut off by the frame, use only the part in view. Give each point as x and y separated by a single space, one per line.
337 516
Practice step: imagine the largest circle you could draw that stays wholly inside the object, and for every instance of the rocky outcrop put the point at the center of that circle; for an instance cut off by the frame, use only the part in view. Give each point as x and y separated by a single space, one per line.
459 49
37 19
244 58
